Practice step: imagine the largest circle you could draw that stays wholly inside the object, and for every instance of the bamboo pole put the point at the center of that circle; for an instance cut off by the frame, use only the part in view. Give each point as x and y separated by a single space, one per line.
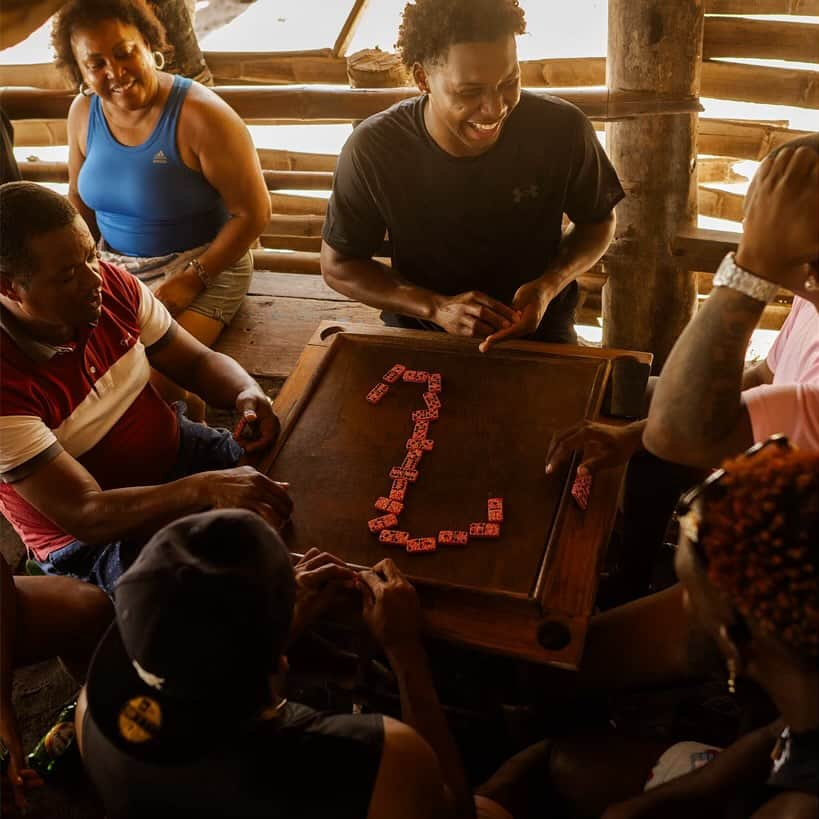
311 103
656 47
718 169
569 72
720 204
298 205
275 159
298 180
345 36
756 83
760 39
745 140
808 8
276 68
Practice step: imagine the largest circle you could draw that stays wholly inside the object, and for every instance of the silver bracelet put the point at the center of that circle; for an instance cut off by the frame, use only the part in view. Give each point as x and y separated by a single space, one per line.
731 275
200 271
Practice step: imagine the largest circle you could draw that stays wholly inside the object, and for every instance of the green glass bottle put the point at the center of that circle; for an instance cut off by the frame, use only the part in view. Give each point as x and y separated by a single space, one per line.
58 739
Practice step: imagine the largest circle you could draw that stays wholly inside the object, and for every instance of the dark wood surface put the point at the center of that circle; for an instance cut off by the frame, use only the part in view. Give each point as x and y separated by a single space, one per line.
499 412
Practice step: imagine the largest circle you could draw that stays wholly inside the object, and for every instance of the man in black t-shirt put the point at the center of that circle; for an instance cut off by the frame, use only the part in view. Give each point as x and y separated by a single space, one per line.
470 182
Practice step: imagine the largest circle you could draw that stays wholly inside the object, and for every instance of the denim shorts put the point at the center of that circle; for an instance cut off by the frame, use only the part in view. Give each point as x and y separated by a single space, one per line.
223 296
201 448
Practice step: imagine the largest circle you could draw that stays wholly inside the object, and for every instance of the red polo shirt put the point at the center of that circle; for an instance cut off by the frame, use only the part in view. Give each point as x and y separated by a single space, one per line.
91 398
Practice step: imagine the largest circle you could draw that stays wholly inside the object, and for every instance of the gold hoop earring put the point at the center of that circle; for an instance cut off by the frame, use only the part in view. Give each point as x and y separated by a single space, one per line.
85 90
159 60
731 664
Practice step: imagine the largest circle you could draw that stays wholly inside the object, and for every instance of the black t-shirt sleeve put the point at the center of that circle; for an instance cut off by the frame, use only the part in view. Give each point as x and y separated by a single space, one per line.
354 224
594 188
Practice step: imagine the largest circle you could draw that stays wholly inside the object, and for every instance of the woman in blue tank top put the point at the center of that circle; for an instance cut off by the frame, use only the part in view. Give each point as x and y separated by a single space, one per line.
164 172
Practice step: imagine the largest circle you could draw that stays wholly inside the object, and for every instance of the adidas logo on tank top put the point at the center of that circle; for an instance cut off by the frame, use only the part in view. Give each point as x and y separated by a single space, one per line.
160 158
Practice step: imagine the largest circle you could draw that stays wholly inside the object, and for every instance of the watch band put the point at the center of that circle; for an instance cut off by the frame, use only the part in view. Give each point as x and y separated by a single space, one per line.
729 274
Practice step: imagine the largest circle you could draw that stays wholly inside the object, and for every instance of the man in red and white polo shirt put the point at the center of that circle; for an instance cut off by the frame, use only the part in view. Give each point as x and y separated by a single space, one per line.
92 460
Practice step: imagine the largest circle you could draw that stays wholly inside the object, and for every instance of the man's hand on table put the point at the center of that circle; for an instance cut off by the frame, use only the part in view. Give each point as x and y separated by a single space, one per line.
258 427
472 314
18 777
321 579
391 610
603 445
244 487
530 304
780 240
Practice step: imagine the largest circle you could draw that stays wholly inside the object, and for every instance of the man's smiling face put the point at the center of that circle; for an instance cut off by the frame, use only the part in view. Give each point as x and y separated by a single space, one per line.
472 91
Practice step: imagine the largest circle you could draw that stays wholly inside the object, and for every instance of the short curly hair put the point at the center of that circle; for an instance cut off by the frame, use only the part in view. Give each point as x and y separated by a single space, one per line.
430 27
760 535
85 14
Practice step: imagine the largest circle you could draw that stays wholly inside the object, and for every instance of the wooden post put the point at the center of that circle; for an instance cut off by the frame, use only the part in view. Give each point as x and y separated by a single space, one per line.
653 47
184 55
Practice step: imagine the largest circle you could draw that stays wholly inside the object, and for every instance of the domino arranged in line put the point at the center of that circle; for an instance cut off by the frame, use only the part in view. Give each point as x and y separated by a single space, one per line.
384 522
421 544
408 472
495 510
394 373
484 530
393 536
394 507
450 537
377 393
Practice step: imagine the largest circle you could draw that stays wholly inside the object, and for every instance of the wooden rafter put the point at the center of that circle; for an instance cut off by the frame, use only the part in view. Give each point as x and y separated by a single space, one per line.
761 39
345 36
809 8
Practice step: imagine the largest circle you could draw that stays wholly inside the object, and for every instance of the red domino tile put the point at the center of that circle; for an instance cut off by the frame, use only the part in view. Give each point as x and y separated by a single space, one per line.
412 460
398 473
432 401
394 507
421 544
434 384
394 536
448 537
415 376
484 530
421 429
495 510
394 373
425 415
377 393
399 490
581 489
384 522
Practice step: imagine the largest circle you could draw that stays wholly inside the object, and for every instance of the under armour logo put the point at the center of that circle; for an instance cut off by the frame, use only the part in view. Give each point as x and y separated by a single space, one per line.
523 192
160 158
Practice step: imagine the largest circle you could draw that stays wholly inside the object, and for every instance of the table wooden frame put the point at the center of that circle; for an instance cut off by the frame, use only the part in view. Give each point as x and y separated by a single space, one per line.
551 627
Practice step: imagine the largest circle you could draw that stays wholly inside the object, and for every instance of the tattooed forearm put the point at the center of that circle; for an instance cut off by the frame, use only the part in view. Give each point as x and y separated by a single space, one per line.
697 415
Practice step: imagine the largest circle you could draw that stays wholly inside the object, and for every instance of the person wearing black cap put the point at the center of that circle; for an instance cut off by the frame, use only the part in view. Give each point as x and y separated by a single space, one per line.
183 713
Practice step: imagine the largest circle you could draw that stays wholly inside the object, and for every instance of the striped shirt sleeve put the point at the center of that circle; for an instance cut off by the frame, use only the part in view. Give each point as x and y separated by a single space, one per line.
154 318
25 444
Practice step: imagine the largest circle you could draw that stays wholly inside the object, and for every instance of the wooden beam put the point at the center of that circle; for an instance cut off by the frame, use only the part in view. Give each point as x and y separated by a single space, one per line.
345 36
744 140
307 244
44 171
756 83
718 169
310 103
285 203
807 8
275 159
760 39
298 180
569 72
38 132
652 47
298 68
720 204
701 249
283 224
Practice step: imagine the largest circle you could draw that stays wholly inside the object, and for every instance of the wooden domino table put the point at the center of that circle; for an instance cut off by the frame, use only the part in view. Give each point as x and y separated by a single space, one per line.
530 592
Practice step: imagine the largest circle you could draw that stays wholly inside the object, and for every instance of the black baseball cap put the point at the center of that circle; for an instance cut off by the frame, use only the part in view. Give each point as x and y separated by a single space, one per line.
202 617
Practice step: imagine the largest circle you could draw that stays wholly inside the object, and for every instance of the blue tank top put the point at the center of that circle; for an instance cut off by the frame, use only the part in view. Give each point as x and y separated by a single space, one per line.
147 201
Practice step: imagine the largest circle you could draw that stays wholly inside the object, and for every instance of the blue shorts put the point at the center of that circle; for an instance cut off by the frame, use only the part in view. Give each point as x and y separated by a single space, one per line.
201 449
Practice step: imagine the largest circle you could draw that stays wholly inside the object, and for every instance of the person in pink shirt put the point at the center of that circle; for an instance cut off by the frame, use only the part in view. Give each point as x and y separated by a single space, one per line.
703 409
